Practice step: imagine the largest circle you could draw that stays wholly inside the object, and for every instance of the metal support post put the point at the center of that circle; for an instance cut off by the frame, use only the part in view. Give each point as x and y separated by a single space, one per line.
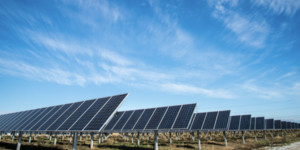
210 136
138 139
205 135
170 134
29 139
75 141
199 142
147 136
80 138
13 137
272 134
92 140
103 138
143 136
71 137
99 140
225 139
243 136
255 136
19 141
86 136
50 136
265 134
193 136
156 140
131 137
55 138
0 135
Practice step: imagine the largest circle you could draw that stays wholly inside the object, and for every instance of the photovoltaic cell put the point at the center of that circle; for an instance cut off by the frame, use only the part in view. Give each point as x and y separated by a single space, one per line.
169 118
114 120
198 121
283 124
140 125
270 124
222 119
83 121
277 124
184 116
245 122
64 116
55 116
253 123
36 119
133 119
76 114
260 123
234 122
16 119
105 113
210 121
120 124
45 118
156 118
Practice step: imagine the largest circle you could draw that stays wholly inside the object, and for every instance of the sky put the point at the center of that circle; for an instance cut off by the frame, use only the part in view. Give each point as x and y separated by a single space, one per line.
233 55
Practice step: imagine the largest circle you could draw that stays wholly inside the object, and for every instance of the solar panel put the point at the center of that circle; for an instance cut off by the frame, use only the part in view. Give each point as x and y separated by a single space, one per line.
191 123
277 124
114 120
169 117
235 122
104 115
270 124
245 122
260 123
156 118
283 125
21 123
209 122
222 120
17 119
198 121
36 119
9 118
298 125
253 123
184 116
133 119
144 119
288 125
120 124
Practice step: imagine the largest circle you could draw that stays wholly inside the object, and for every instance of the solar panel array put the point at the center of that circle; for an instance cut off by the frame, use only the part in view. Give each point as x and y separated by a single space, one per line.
269 123
169 118
240 122
89 115
208 121
277 124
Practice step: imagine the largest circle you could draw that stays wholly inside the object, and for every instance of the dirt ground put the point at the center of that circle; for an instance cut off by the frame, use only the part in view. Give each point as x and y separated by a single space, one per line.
184 142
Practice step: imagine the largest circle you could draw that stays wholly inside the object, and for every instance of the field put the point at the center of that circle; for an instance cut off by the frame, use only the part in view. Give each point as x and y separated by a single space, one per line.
183 142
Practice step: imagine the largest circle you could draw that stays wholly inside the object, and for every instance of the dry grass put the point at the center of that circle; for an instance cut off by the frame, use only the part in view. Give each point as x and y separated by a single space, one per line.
115 142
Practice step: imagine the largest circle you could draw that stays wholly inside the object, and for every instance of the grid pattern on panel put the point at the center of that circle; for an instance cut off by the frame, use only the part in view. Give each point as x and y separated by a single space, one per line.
46 117
30 117
253 123
3 119
222 120
234 122
76 114
123 120
169 118
260 123
192 120
9 118
210 120
21 121
144 119
133 119
288 125
36 119
270 123
245 122
16 119
63 117
82 122
114 120
198 121
52 118
156 118
105 113
283 124
277 124
184 116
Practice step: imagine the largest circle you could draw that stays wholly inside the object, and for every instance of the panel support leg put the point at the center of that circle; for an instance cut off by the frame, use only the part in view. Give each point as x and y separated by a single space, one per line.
71 137
255 136
170 134
272 134
199 142
205 135
225 139
80 138
13 137
138 139
50 136
92 140
156 140
193 136
99 140
243 136
265 134
147 136
29 139
75 141
210 136
55 138
132 138
19 141
0 135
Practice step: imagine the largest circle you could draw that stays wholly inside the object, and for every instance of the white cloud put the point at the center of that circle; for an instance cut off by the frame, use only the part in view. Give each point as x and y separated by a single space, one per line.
262 92
289 7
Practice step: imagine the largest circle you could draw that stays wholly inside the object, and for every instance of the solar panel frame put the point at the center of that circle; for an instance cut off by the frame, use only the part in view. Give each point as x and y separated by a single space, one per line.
34 120
259 123
196 125
221 122
182 121
211 122
120 124
15 117
16 122
9 117
245 122
283 125
269 124
170 117
28 119
232 125
114 121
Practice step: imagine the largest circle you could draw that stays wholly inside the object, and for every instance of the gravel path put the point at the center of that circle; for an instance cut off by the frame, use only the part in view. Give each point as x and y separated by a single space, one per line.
293 146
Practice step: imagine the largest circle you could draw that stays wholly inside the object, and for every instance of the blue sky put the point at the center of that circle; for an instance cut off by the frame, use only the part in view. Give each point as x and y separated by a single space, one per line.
221 54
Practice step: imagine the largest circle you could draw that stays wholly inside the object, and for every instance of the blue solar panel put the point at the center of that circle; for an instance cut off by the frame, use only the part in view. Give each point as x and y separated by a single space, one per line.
198 121
184 116
288 125
270 124
83 121
260 123
277 124
192 120
222 119
114 120
133 119
55 116
156 118
144 119
120 124
245 122
36 119
105 113
64 116
234 122
29 118
253 123
283 124
16 119
45 118
19 122
210 120
76 115
8 119
169 118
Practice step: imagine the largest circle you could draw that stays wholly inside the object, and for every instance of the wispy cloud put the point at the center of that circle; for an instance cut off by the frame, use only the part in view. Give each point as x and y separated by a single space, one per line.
288 7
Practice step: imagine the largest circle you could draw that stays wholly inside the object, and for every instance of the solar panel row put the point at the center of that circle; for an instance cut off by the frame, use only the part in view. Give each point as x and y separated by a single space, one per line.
240 122
89 115
172 117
